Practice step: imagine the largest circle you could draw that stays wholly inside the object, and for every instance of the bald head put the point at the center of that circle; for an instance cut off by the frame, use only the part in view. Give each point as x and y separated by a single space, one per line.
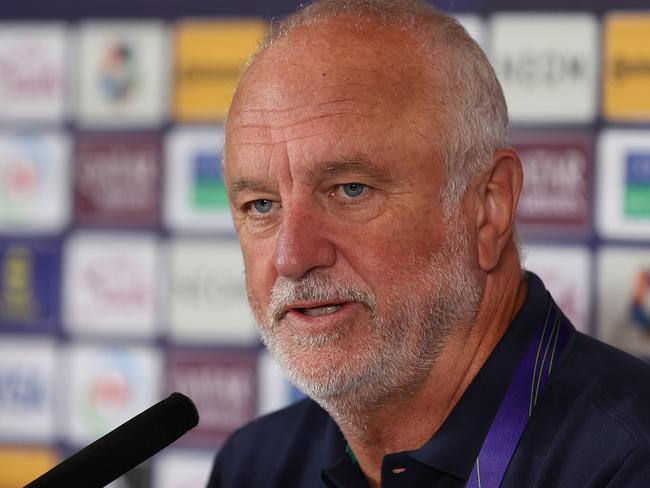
425 60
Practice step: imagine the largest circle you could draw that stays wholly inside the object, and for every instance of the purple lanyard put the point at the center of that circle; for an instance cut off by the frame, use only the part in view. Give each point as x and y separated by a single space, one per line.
520 400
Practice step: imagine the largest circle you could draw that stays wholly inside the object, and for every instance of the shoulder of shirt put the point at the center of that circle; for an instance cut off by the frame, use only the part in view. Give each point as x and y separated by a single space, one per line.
616 382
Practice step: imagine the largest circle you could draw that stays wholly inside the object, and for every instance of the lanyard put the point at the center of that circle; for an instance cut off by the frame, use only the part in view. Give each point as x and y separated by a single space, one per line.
520 399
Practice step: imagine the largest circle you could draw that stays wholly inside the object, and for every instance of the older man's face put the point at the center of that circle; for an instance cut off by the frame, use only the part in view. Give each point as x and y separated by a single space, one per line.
334 179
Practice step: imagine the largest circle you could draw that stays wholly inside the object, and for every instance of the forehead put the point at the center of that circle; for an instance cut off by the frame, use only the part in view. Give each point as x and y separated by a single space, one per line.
332 81
319 62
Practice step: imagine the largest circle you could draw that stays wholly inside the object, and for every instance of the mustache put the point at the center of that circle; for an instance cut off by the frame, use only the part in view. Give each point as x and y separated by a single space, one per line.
318 288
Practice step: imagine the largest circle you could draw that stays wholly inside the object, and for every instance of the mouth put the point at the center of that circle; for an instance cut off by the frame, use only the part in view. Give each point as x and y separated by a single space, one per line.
319 311
313 309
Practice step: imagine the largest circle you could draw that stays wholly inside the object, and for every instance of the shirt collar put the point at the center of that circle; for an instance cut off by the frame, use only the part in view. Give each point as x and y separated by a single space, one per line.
454 448
457 443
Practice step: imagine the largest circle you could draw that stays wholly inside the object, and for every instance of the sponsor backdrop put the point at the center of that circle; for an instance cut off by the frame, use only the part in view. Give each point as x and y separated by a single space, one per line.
120 274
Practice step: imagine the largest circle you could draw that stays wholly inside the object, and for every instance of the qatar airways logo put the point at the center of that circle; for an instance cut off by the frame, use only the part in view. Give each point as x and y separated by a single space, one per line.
222 384
119 179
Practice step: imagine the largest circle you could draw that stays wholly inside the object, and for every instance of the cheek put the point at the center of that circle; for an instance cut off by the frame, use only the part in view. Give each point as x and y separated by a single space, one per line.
259 271
384 253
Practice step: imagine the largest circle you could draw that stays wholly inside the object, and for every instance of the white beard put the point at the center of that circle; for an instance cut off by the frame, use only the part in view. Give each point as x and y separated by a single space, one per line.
404 337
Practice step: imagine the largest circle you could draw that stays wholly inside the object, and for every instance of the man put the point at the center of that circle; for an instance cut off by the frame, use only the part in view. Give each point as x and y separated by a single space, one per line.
374 197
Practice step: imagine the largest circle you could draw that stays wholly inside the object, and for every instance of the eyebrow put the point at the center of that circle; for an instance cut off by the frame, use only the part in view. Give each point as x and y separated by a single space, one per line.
357 164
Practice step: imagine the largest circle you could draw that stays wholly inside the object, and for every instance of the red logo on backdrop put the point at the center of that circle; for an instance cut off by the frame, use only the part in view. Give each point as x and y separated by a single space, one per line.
118 179
223 384
19 179
117 283
557 182
39 77
110 392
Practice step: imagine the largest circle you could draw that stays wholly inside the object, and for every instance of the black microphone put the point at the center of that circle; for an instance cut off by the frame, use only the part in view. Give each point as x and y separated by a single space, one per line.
122 449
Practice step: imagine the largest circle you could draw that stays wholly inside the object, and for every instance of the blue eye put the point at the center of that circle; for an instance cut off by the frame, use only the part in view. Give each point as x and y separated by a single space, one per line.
353 189
262 206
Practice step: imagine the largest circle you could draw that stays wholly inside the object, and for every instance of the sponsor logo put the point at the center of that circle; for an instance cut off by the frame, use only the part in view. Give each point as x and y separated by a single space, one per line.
637 187
557 182
26 389
29 275
109 392
32 90
624 298
117 180
109 385
195 196
111 284
207 299
223 386
41 77
115 282
553 181
626 71
19 179
210 57
631 68
623 184
33 182
122 73
21 389
17 292
549 67
209 191
118 71
206 286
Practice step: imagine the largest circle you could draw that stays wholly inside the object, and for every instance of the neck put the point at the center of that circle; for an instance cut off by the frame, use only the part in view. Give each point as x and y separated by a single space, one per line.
407 419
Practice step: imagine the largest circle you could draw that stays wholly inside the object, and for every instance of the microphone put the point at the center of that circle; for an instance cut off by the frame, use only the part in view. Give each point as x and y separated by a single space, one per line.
122 449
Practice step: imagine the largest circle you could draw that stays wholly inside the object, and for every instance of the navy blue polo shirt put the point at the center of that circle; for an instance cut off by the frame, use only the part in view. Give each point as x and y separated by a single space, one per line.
591 427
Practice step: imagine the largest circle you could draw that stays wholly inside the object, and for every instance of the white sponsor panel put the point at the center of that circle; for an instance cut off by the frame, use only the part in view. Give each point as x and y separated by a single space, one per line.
547 65
108 385
182 469
623 184
566 273
34 182
195 198
475 27
123 73
111 284
207 297
275 391
32 72
624 298
28 387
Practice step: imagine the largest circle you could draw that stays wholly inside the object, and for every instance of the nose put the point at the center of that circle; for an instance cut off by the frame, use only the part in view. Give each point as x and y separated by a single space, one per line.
302 245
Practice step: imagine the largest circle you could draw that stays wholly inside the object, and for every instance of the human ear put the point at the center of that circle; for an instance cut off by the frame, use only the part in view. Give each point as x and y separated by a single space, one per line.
497 194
